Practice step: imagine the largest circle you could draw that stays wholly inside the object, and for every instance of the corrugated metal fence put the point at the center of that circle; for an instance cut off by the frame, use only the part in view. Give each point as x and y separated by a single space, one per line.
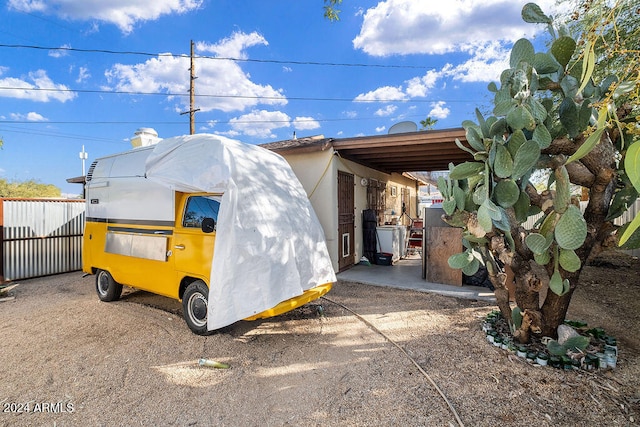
628 216
40 237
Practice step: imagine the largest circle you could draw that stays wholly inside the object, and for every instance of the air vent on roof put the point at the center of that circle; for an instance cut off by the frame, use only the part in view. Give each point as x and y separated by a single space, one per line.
91 168
144 137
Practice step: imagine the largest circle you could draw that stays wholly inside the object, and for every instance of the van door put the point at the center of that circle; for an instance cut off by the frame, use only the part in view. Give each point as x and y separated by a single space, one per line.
192 247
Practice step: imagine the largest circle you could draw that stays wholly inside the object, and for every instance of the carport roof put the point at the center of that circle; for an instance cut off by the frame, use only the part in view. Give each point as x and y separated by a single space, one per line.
430 150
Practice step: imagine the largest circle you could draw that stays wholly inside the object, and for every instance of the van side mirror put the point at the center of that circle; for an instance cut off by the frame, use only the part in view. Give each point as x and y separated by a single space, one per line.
208 225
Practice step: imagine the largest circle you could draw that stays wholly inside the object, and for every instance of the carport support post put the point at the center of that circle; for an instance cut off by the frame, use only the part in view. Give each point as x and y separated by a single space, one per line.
425 253
1 240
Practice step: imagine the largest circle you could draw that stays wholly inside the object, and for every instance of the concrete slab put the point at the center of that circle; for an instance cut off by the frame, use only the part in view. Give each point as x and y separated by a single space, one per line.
407 274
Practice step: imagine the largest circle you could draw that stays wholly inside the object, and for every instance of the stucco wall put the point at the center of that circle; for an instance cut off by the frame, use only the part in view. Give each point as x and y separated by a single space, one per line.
318 173
393 211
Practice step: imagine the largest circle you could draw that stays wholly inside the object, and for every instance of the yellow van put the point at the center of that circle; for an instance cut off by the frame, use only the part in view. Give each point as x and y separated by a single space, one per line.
142 233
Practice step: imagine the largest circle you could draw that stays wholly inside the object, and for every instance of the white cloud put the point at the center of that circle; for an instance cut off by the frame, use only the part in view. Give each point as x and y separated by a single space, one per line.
59 53
481 31
485 65
83 74
403 27
305 123
29 117
385 93
413 88
233 46
438 110
36 87
209 124
260 123
221 83
156 74
381 129
387 111
419 86
122 13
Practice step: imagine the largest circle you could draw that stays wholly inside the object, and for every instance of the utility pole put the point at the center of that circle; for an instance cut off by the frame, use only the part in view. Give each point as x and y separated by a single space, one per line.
192 96
83 156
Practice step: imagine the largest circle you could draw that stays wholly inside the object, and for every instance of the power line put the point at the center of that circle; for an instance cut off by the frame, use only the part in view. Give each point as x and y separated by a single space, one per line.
200 95
103 122
288 98
218 58
14 129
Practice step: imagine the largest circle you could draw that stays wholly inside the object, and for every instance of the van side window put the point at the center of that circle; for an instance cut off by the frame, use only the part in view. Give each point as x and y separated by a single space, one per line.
198 208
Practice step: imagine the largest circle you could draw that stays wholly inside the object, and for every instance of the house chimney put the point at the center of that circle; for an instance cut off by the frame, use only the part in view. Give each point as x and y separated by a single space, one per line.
144 137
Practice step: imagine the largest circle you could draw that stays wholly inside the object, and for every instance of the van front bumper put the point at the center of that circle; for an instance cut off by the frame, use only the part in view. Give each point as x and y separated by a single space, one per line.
288 305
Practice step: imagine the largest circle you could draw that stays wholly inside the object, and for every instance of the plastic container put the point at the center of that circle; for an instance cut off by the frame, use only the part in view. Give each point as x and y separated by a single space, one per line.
542 359
611 345
591 362
602 360
611 357
384 258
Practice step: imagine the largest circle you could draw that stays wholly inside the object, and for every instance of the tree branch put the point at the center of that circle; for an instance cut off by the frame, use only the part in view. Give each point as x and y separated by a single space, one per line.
564 145
579 174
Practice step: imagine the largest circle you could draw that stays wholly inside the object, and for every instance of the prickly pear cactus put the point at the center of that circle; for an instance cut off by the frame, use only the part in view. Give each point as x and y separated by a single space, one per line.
550 115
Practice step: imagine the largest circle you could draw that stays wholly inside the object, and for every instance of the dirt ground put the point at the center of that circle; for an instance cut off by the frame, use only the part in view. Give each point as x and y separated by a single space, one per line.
70 360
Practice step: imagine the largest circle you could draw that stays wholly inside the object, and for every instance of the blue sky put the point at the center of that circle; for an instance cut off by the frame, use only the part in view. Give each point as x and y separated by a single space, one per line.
91 72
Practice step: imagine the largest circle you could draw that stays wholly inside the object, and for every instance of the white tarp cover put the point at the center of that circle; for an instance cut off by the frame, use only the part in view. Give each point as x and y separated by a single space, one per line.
269 244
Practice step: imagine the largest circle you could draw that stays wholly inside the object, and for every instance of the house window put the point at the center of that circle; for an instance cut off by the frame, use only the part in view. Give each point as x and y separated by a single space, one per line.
376 191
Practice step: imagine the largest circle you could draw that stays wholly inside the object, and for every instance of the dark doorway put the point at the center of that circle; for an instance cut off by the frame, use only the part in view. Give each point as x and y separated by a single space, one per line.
346 228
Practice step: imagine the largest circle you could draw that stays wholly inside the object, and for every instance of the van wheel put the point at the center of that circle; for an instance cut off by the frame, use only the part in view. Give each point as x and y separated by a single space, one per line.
107 288
195 305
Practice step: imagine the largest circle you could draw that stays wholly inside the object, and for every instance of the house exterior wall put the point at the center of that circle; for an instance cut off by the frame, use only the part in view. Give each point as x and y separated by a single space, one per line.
393 204
318 173
401 189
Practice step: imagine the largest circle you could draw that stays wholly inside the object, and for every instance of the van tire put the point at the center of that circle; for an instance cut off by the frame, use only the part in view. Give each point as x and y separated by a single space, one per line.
195 307
107 288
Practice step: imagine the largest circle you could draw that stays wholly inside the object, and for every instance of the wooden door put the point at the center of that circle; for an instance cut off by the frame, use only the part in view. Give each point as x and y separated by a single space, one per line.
346 218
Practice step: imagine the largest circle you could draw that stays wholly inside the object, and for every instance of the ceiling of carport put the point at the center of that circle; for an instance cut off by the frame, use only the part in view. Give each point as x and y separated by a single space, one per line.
430 150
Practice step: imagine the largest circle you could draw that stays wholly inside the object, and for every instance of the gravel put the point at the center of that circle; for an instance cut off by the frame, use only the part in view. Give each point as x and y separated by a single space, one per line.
363 355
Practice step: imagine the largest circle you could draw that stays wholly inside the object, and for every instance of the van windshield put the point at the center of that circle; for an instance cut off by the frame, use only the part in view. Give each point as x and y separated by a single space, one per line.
199 208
